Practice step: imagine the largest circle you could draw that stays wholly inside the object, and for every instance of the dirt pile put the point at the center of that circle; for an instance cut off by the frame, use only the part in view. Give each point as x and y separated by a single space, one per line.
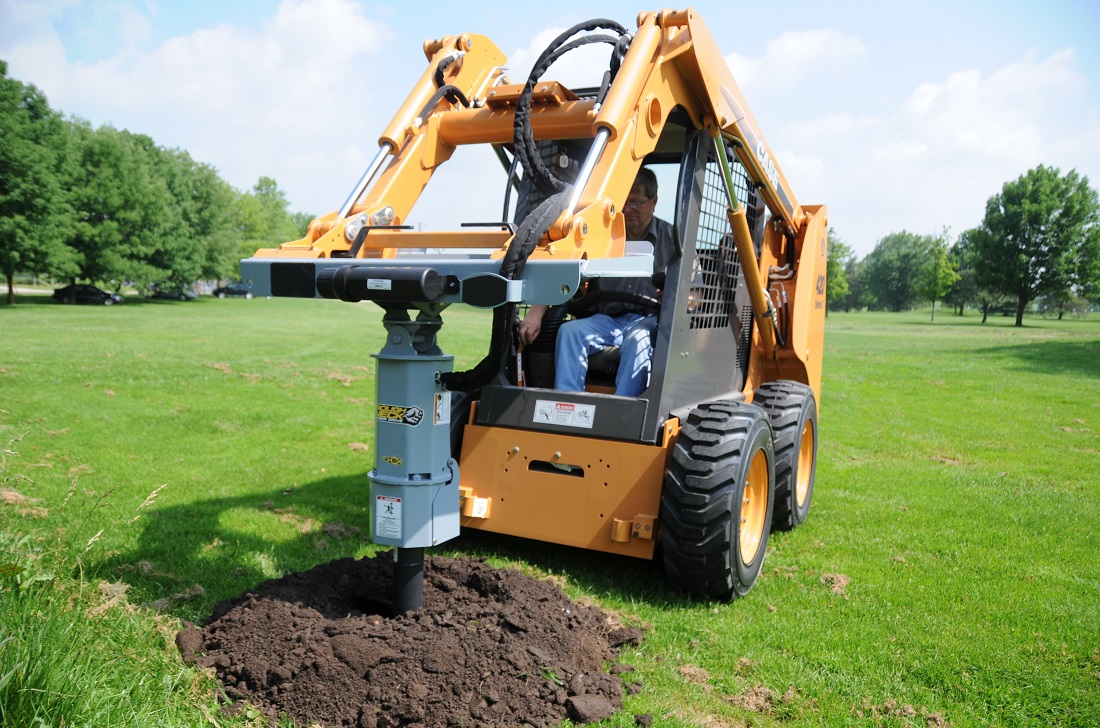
490 647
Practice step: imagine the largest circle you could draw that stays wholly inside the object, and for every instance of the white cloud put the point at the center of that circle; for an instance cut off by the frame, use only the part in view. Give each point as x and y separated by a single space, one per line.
795 56
291 98
1009 113
826 129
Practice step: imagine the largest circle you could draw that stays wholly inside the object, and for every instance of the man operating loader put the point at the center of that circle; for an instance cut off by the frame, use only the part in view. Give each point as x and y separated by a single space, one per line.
628 326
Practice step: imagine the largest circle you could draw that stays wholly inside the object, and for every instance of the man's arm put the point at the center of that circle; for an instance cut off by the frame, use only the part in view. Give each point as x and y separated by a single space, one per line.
531 324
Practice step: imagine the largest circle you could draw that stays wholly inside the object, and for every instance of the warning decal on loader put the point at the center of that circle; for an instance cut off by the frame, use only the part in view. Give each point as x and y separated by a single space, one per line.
387 517
568 414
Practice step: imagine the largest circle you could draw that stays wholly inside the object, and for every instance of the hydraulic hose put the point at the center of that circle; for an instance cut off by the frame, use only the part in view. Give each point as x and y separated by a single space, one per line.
523 138
532 229
538 222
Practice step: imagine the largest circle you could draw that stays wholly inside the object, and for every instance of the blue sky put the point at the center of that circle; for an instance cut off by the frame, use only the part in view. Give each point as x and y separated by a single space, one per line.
897 115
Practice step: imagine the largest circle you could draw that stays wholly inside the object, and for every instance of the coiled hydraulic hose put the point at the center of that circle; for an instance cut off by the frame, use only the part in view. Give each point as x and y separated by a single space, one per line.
537 222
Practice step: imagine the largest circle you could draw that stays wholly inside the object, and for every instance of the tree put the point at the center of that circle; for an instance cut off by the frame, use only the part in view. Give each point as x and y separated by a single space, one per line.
892 270
1035 237
301 221
206 244
124 222
32 214
937 275
837 288
261 218
966 290
1088 274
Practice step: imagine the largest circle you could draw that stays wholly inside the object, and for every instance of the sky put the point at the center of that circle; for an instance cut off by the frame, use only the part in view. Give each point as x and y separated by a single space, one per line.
897 115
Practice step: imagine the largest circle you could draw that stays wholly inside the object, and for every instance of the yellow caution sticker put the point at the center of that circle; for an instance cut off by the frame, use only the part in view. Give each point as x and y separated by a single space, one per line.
399 414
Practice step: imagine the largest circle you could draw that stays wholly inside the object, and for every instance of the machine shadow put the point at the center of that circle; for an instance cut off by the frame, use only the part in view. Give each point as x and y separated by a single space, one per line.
221 544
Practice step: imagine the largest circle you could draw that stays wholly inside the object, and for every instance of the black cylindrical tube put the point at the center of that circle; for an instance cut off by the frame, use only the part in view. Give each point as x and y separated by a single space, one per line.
408 580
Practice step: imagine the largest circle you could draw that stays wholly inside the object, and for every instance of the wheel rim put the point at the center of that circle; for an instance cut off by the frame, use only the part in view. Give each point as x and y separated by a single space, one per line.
805 465
754 507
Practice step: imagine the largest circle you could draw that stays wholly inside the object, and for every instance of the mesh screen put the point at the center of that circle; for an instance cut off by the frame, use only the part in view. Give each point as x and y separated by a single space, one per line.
717 268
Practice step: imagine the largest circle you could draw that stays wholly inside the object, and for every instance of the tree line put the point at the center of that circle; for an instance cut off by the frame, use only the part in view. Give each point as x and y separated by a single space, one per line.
109 206
1038 246
104 205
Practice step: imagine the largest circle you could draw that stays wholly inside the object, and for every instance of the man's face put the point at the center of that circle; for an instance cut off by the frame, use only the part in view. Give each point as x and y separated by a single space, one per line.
638 212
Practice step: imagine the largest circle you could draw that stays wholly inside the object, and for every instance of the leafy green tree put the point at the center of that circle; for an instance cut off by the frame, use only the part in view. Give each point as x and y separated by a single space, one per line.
32 214
891 276
301 221
123 218
1035 237
837 288
857 291
966 290
1088 274
938 273
205 244
262 219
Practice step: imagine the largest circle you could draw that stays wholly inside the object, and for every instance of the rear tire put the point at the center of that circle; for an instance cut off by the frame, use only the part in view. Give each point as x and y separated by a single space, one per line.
716 509
793 414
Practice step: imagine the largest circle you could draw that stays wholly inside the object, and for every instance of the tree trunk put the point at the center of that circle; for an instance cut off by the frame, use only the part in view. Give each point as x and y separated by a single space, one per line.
985 312
933 310
1021 304
11 289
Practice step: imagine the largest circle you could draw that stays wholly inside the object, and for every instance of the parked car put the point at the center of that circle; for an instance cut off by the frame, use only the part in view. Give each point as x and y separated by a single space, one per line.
173 294
84 293
237 288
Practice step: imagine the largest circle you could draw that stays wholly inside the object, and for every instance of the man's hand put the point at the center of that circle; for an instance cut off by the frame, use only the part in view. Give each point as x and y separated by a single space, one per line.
531 324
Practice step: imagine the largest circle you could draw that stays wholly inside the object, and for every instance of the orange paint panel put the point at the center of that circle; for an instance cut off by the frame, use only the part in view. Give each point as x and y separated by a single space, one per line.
563 489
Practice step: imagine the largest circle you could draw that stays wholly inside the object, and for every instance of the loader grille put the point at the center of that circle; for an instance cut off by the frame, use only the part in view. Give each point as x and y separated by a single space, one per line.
717 269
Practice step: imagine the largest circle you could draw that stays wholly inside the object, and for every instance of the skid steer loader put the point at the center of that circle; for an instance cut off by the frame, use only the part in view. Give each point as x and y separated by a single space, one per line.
720 448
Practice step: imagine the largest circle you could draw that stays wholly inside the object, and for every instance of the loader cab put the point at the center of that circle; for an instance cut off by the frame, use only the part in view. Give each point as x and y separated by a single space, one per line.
704 321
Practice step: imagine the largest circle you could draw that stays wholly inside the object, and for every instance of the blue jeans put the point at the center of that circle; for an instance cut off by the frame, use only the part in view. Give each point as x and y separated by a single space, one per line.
632 332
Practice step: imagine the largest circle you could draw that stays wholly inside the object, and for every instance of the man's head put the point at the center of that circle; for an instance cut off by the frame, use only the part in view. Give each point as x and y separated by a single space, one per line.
639 206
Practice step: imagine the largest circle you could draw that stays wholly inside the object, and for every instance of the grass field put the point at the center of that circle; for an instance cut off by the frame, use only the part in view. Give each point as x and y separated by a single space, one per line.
163 456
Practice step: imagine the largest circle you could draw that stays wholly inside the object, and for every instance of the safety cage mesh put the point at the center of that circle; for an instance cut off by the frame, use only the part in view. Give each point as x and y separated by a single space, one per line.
718 269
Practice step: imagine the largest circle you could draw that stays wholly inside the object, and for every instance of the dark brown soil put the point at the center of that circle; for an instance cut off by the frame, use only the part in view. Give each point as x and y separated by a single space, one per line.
491 647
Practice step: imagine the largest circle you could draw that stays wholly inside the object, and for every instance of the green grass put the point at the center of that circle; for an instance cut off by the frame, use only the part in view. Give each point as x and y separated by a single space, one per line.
950 568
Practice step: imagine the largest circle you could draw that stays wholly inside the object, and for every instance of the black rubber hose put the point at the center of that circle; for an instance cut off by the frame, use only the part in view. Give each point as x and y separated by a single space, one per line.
523 137
453 94
523 244
538 222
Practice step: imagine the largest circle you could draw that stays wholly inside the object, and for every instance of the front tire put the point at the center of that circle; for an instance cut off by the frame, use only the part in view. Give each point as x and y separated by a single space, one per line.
793 414
716 508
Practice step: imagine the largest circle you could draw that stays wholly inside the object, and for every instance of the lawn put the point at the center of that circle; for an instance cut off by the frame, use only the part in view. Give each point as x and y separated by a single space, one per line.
163 456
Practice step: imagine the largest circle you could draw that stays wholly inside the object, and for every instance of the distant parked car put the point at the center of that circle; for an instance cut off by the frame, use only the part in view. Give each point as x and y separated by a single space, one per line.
84 293
237 288
173 294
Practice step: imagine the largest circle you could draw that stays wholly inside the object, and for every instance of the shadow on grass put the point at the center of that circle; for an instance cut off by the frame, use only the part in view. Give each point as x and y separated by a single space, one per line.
1052 357
222 543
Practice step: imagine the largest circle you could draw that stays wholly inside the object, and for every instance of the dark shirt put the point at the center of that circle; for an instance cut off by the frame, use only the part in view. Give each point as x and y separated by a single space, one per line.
663 237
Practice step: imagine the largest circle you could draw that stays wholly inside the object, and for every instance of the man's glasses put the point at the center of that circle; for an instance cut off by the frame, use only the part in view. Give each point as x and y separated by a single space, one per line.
636 205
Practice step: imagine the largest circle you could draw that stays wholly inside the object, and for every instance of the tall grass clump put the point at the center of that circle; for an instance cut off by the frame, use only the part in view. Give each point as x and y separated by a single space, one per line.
73 651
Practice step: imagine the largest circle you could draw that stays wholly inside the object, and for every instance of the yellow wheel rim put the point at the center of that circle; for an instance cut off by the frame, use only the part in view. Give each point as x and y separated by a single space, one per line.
805 465
754 507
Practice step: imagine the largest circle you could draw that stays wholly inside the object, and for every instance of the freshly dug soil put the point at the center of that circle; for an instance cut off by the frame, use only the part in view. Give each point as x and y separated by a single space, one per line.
491 647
